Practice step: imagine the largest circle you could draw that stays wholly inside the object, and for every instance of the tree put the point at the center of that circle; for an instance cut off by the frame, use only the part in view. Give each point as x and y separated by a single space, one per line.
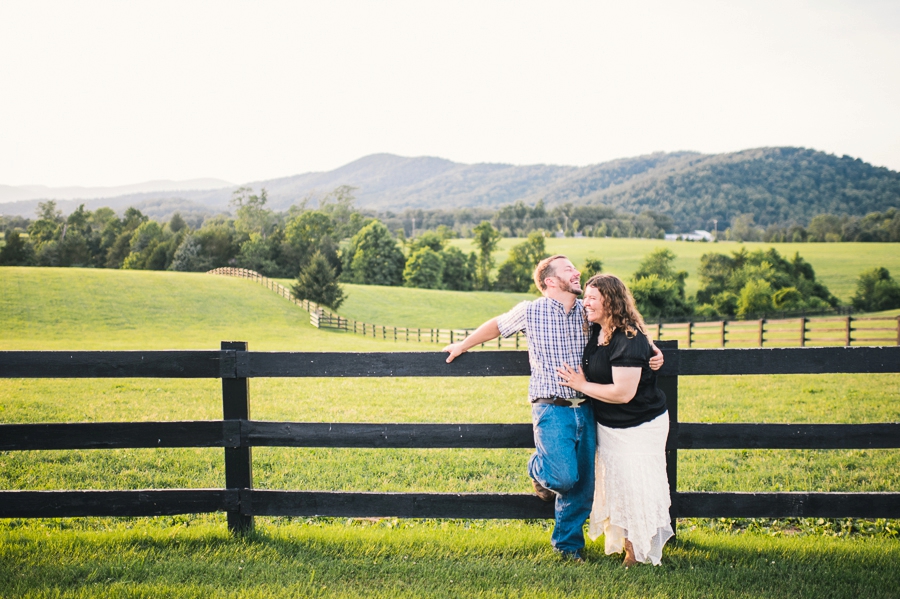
189 256
48 211
459 269
656 297
142 245
659 263
658 288
176 223
743 228
17 251
317 282
592 266
755 298
373 257
486 238
338 204
516 274
117 236
256 254
876 290
824 227
792 284
307 233
429 239
425 269
252 215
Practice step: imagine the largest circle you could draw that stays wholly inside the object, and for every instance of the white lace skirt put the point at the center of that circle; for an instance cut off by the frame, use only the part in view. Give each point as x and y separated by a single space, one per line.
631 496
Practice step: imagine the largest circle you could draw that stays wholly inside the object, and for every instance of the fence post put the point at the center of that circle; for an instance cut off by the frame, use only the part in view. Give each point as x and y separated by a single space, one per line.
803 331
238 460
669 386
898 330
762 323
722 332
849 329
690 335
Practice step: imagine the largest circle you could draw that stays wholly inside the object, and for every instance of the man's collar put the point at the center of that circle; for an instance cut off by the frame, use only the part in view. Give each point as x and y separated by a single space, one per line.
561 306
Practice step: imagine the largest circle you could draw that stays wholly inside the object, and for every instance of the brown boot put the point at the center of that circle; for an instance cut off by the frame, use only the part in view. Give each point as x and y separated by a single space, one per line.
542 491
629 555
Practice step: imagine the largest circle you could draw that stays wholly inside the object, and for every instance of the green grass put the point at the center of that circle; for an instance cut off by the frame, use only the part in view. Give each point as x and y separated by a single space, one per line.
836 264
192 556
425 308
73 308
386 559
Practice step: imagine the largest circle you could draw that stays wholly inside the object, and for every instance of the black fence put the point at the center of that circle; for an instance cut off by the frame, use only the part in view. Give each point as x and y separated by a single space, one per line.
238 434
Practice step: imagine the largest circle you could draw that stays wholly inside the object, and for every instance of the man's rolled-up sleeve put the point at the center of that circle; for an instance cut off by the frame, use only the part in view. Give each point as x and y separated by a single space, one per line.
513 322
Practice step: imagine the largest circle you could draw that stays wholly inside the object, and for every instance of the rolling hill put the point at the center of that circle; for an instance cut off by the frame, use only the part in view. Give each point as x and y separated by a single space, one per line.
776 185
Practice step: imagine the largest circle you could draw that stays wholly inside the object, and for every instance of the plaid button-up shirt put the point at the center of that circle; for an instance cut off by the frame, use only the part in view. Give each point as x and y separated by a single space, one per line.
553 336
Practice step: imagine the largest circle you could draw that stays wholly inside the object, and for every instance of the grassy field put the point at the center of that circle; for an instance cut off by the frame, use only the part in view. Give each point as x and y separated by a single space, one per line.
391 559
62 308
836 264
192 556
426 308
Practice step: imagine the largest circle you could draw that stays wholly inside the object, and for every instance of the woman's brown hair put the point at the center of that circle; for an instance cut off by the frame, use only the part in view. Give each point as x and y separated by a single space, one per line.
619 304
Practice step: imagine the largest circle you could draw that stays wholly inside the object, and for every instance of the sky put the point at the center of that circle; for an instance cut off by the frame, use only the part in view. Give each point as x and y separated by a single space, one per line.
104 93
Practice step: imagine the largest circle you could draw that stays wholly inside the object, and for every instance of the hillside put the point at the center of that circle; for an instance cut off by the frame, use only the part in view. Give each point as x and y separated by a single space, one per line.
74 308
777 185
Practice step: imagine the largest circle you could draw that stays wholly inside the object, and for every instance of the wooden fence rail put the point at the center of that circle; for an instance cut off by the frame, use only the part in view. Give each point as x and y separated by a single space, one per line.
236 433
786 332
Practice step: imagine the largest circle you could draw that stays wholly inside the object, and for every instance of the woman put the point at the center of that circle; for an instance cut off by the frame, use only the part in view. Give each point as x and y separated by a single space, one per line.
631 493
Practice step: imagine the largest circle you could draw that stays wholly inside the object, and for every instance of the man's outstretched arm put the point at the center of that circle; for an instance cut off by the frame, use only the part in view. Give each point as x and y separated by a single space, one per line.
485 332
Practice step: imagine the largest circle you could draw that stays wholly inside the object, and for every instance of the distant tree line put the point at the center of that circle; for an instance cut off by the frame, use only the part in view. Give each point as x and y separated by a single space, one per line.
518 220
875 226
335 243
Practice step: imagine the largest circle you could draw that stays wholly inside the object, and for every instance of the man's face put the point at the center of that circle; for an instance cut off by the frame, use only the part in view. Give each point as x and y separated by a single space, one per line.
566 276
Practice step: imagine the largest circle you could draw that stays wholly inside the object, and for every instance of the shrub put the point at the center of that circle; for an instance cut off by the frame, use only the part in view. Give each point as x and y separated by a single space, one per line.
876 290
425 269
317 282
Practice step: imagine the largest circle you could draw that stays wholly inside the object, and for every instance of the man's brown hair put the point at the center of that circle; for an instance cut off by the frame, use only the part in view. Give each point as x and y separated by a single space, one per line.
545 269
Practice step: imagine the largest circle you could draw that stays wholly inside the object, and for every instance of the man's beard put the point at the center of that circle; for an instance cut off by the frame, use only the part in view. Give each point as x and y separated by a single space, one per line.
567 287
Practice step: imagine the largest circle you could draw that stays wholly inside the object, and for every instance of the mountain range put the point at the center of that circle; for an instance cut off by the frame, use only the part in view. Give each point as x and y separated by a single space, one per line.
777 185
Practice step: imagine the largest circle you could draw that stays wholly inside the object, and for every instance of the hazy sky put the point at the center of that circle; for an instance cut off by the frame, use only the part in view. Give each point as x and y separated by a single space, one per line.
112 92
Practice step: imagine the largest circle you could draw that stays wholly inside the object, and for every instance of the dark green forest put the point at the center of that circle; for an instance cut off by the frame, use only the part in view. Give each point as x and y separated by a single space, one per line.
777 186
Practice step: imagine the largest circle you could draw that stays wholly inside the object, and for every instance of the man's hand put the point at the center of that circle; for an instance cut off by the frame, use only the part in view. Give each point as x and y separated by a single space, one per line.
485 332
657 360
455 349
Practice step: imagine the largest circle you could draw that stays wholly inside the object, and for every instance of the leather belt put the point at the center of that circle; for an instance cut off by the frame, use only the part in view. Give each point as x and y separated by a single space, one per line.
560 401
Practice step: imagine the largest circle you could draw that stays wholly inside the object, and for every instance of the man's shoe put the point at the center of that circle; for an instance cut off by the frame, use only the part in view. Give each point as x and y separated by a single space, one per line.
542 491
570 556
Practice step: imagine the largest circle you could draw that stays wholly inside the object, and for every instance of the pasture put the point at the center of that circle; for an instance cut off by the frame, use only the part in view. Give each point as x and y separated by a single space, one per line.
836 264
192 556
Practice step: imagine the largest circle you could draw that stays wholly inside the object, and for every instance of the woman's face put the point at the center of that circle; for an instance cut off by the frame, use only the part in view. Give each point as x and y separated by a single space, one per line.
594 306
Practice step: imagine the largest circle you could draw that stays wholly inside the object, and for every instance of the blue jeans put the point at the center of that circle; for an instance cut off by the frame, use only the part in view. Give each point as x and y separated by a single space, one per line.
565 440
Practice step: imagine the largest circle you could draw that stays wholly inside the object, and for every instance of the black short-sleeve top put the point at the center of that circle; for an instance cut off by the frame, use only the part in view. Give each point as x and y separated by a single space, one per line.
597 362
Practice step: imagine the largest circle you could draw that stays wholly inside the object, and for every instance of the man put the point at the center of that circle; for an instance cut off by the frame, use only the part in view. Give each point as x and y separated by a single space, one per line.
562 466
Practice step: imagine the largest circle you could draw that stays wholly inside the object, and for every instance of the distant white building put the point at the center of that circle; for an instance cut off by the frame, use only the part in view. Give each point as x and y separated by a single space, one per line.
692 236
